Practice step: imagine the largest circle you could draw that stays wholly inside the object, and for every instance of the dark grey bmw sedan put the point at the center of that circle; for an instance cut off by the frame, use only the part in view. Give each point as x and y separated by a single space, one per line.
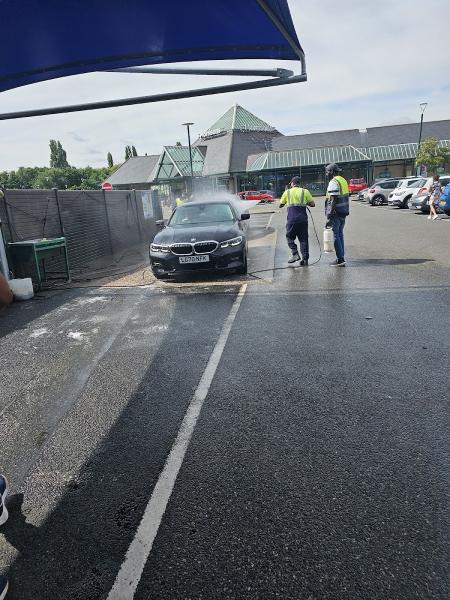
201 236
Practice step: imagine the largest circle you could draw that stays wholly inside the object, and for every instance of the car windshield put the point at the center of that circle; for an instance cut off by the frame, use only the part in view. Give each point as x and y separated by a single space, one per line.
202 213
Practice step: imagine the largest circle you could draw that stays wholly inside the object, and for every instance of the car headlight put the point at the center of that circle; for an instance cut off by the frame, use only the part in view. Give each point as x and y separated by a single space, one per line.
233 242
159 248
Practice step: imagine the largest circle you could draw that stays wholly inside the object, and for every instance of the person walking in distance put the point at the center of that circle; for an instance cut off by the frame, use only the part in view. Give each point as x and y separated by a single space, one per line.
297 199
435 194
337 209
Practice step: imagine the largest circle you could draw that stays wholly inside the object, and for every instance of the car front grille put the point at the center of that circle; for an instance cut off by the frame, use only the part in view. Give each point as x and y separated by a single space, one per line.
181 249
205 247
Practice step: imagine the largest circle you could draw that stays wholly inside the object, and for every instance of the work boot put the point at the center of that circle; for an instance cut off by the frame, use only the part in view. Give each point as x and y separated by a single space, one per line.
304 262
340 262
294 258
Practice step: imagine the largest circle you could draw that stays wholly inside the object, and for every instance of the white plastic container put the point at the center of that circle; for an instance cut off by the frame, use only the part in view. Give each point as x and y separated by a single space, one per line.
328 240
21 288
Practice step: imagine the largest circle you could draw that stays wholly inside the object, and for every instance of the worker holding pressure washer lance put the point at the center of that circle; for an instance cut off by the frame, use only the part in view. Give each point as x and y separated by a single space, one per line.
337 208
297 199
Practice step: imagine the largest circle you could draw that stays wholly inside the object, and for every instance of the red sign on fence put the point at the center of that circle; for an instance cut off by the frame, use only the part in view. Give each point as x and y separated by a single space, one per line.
106 186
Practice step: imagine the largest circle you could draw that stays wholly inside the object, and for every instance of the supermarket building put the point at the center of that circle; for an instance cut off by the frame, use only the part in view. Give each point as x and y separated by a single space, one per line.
241 151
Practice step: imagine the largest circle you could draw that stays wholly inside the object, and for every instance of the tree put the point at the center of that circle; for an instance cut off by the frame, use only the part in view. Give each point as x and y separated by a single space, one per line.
127 152
178 144
110 160
432 155
133 151
58 156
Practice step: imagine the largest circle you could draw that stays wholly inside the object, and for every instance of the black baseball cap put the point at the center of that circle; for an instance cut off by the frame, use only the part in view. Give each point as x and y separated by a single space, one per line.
295 181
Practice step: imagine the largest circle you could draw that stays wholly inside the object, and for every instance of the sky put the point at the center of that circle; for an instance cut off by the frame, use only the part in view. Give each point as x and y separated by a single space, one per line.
368 63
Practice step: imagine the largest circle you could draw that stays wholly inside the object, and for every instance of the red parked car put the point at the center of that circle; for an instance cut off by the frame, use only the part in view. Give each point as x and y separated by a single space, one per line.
261 195
357 185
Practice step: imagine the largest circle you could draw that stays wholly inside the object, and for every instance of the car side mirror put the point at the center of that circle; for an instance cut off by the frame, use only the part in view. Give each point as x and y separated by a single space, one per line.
160 223
245 216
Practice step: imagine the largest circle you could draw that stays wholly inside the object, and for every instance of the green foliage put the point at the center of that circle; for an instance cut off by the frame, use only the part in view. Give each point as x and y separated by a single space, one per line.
68 178
432 155
133 151
58 156
110 160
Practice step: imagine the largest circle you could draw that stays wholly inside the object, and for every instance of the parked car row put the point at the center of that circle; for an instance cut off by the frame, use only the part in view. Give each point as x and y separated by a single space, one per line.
405 192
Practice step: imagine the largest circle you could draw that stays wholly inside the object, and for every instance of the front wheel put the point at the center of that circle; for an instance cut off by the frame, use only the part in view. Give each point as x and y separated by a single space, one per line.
243 270
405 202
377 201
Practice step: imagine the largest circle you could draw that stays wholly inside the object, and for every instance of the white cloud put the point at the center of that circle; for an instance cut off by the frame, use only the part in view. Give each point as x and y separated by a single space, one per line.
368 64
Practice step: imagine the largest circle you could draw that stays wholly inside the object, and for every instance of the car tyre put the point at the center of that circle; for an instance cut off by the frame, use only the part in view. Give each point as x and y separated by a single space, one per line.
377 200
405 202
244 269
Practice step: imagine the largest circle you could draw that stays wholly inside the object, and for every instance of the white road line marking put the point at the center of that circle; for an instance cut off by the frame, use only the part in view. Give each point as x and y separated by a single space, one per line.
131 570
270 221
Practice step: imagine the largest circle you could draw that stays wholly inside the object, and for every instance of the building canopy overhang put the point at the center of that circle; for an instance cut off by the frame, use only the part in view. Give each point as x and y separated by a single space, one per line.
46 40
307 157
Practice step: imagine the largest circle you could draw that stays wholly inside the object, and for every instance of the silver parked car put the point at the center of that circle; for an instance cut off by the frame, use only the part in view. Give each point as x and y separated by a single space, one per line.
378 192
405 190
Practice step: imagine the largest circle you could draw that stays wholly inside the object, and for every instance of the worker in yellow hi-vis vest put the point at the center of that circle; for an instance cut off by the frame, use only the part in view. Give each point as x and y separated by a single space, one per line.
297 199
337 209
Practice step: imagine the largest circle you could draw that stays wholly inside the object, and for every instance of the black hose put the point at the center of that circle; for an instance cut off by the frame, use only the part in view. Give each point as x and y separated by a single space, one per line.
297 266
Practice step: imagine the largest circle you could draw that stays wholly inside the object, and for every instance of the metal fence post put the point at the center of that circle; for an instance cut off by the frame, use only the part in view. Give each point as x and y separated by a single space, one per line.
107 223
137 216
8 216
61 224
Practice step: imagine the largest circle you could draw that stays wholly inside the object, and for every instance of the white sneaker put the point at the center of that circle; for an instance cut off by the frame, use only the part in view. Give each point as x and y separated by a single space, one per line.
435 217
429 218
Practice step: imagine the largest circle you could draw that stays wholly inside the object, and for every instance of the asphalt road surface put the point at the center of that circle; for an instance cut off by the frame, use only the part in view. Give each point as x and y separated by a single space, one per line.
280 436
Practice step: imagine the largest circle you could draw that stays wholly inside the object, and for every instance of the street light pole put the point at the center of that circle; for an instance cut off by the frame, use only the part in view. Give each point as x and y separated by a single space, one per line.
187 125
423 106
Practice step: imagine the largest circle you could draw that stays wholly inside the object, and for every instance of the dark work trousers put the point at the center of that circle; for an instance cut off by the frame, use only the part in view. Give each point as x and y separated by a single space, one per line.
300 231
338 224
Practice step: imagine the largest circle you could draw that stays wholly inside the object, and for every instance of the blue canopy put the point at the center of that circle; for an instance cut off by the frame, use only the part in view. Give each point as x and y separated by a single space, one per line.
45 39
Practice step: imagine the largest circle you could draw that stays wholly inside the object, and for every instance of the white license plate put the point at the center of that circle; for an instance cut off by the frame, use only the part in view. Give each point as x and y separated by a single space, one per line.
202 258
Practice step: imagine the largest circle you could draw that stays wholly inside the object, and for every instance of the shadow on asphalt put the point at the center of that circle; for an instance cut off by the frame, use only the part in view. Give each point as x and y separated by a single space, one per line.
381 262
77 552
19 314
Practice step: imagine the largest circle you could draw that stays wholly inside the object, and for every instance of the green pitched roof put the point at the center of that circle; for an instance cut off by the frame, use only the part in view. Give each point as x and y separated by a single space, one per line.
305 157
175 162
237 119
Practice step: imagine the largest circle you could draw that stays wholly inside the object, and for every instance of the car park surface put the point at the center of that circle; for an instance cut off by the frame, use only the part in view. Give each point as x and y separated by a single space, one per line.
302 479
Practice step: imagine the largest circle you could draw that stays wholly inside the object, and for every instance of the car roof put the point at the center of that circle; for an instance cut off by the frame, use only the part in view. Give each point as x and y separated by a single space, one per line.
208 201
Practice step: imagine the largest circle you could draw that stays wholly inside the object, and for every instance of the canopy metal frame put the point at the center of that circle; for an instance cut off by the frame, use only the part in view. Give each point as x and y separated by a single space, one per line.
276 77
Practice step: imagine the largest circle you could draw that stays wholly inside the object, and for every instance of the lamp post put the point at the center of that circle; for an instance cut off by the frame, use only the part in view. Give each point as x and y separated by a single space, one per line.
187 125
423 106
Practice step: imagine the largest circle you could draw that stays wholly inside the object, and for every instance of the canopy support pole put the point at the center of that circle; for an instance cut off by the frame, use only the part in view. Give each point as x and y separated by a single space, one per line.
209 91
284 32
